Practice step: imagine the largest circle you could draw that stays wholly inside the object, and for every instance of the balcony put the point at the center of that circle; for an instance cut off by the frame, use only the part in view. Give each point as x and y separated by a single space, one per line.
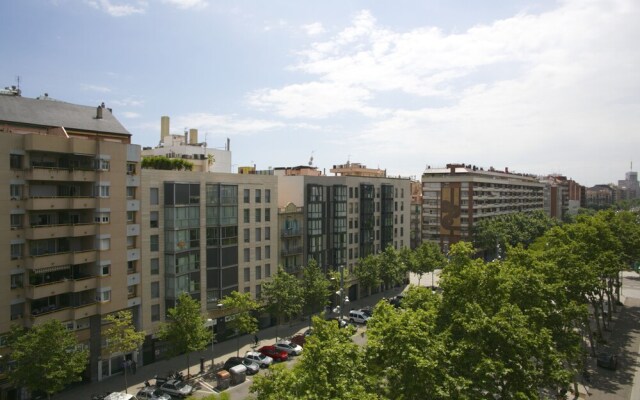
60 203
60 174
38 232
48 289
291 232
291 250
85 310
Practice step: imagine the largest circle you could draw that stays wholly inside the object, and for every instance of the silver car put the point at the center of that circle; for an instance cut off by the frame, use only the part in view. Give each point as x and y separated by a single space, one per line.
291 348
259 358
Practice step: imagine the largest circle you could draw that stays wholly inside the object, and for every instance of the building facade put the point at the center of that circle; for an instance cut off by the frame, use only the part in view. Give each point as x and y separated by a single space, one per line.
601 196
458 196
70 198
337 220
206 234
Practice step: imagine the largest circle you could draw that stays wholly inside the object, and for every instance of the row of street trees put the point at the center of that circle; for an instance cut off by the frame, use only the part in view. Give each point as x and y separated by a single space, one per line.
517 327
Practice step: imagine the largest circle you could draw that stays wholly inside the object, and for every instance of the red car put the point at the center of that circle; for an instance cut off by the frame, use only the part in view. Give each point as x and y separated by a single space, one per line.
299 339
271 351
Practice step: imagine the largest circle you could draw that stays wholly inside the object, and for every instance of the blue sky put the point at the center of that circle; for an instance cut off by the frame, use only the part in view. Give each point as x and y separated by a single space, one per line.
537 86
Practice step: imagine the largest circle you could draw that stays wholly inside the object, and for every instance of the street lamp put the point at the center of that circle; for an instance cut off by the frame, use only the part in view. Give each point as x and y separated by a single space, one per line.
343 298
211 322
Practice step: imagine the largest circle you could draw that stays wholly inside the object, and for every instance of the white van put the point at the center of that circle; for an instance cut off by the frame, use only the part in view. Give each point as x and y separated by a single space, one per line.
358 316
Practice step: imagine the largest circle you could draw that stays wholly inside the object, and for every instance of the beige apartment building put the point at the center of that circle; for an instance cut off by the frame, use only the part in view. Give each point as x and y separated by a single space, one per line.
69 195
339 219
206 234
458 196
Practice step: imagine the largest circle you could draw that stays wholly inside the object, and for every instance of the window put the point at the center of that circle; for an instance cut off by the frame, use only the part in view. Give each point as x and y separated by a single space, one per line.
247 235
154 266
16 221
102 191
154 243
245 215
17 311
258 196
103 296
15 161
267 233
258 272
246 197
258 234
101 217
267 195
258 291
154 217
131 216
103 244
246 255
131 192
247 274
16 251
267 270
131 168
154 197
258 253
247 289
131 266
15 191
267 252
17 281
155 290
258 214
102 164
267 214
155 312
105 270
131 242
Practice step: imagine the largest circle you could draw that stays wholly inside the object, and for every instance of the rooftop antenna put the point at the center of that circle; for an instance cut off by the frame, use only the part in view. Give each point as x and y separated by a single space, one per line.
18 81
311 158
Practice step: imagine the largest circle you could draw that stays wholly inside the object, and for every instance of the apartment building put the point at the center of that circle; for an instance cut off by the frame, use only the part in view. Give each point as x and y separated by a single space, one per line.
456 197
206 234
339 219
562 196
601 196
629 187
416 214
69 195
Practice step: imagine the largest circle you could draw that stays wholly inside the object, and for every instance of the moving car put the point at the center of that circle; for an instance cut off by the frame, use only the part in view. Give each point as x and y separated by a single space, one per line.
262 360
607 360
292 349
252 367
176 388
152 393
275 354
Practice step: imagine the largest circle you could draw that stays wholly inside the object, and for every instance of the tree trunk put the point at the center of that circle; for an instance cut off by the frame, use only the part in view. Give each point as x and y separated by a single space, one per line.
188 365
124 365
590 336
237 345
594 305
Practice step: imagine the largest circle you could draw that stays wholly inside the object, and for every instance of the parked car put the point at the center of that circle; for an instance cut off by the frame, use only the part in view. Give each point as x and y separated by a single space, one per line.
152 393
358 316
367 311
262 360
252 367
292 349
176 388
276 354
120 396
607 360
299 339
396 301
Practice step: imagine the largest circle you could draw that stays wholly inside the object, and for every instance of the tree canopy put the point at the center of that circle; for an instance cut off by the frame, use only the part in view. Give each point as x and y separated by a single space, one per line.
166 163
122 336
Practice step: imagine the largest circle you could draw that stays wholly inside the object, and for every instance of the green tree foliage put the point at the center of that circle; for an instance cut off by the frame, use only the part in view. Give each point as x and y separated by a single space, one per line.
426 258
283 295
331 367
510 230
166 163
46 357
185 329
368 272
243 322
393 270
122 336
315 286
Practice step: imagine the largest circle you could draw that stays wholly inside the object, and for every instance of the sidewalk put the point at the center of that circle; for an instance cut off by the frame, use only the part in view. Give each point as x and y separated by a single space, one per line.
222 351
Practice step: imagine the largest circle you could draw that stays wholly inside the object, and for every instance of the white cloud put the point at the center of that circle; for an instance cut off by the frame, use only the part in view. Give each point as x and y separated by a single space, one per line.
224 124
95 88
131 115
313 29
531 87
119 10
127 102
188 4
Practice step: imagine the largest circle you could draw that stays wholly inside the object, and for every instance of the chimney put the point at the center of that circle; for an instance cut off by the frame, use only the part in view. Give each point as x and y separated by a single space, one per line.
164 127
193 136
99 112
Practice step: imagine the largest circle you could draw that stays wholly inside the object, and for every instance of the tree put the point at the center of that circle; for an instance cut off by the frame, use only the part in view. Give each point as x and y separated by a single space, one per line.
426 259
331 367
185 329
122 337
243 321
283 295
392 268
166 163
46 357
367 271
315 288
